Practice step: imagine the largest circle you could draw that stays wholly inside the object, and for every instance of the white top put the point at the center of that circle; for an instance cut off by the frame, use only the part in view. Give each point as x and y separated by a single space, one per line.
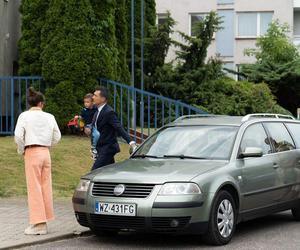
36 127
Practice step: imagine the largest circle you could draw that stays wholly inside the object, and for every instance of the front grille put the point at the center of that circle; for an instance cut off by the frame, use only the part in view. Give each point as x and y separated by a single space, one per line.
164 223
117 222
131 190
82 219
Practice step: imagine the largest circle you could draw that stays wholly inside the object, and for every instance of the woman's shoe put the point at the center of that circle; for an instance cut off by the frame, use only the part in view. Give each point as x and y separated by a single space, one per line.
38 229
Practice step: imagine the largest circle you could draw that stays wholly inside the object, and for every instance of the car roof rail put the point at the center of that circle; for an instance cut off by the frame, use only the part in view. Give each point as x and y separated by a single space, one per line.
196 116
267 115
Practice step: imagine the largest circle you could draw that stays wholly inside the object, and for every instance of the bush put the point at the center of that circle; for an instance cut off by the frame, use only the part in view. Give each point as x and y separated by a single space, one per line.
62 102
226 96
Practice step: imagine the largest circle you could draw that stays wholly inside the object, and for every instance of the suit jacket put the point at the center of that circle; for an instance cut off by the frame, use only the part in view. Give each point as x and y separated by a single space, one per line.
110 128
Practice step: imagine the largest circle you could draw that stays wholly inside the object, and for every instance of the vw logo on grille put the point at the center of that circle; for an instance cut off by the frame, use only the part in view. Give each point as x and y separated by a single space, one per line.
119 189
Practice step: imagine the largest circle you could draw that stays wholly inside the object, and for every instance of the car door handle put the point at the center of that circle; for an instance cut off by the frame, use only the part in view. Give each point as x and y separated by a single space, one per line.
275 165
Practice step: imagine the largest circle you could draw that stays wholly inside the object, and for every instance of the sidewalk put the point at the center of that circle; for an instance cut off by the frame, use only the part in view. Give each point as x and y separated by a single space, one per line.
14 219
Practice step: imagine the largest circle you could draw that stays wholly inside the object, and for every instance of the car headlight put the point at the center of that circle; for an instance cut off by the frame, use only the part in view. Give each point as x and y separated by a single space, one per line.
179 189
83 185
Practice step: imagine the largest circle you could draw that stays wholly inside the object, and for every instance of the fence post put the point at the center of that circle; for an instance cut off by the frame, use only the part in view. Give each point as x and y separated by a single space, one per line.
177 109
12 108
142 115
1 105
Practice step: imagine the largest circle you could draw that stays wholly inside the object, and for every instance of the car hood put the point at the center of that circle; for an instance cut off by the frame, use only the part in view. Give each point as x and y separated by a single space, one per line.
154 170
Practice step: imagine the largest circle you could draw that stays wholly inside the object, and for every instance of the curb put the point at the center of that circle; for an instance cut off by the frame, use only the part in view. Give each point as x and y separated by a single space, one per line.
51 239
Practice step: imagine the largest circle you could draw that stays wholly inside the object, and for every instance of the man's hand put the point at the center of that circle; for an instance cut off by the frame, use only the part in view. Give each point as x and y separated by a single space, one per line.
133 147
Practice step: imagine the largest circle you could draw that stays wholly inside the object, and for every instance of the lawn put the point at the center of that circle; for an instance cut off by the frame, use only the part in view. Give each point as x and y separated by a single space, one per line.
70 160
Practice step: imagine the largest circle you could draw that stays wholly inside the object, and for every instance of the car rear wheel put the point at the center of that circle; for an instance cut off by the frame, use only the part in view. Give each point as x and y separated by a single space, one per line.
222 223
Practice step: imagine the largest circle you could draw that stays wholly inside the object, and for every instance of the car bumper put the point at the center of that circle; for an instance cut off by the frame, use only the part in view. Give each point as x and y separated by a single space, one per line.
161 214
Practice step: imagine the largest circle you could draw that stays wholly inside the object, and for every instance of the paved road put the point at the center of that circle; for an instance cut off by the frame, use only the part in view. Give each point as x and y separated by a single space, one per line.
274 232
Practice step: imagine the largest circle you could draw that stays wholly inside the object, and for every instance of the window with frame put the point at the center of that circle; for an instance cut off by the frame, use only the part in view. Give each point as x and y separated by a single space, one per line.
195 19
294 129
162 18
279 136
255 136
253 24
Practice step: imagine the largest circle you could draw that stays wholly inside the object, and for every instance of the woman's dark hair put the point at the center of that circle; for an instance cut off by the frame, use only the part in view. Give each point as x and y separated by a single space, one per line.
35 97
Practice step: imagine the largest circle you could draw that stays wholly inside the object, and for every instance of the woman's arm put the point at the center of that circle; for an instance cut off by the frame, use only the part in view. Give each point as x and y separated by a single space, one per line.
56 133
20 134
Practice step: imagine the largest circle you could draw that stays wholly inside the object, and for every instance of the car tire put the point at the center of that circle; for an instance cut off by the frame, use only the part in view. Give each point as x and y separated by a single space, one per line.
224 206
104 233
296 213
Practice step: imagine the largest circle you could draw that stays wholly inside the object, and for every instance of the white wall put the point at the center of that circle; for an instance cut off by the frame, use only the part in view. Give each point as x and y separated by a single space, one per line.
180 10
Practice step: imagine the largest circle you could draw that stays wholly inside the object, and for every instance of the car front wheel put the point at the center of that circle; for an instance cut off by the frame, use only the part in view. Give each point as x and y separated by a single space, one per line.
222 221
104 233
296 213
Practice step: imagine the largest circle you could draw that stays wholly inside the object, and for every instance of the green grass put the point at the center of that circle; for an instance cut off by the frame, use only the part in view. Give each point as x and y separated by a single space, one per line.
70 160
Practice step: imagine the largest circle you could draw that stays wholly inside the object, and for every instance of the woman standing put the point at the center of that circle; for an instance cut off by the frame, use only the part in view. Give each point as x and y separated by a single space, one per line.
36 131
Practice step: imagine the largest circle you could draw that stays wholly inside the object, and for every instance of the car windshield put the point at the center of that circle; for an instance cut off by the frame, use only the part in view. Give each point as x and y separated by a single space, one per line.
194 142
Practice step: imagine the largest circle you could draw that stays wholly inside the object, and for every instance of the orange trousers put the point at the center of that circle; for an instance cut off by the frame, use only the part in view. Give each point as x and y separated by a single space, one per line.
39 184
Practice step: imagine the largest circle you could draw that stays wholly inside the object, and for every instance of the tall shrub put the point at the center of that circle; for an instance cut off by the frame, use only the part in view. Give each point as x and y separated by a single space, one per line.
106 37
122 41
70 57
33 14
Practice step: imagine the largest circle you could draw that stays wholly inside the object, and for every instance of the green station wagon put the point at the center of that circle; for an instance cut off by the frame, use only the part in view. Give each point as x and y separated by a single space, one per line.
199 175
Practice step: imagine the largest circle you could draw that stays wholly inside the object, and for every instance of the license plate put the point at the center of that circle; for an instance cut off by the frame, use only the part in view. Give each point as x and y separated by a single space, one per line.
115 209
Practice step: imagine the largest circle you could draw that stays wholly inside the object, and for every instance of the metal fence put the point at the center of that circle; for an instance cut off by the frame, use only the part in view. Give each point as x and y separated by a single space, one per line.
13 100
143 112
140 112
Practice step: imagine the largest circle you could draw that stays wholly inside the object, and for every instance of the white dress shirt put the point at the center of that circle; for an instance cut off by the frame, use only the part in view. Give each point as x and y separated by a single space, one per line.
36 127
99 110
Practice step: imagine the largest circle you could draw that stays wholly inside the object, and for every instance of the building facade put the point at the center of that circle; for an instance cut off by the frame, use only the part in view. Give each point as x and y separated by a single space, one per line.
9 34
243 22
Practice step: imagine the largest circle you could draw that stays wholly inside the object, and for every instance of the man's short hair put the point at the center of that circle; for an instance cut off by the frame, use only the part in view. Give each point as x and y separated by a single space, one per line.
103 91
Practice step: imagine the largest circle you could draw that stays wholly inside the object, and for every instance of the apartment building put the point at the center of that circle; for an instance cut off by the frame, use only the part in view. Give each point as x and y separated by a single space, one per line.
243 22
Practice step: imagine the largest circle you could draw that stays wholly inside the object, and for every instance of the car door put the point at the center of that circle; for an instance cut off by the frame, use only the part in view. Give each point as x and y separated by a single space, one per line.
288 159
294 129
258 173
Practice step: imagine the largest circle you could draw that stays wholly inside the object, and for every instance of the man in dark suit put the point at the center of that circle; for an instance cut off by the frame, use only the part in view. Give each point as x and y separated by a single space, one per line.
107 123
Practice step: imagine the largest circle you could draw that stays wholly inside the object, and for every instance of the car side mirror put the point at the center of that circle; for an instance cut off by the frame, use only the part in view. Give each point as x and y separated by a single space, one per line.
251 152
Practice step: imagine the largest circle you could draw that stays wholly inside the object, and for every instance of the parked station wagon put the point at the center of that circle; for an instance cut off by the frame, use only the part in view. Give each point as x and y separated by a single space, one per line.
198 175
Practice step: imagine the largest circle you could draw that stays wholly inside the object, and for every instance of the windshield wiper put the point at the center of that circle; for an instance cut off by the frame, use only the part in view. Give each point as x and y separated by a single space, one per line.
144 156
184 157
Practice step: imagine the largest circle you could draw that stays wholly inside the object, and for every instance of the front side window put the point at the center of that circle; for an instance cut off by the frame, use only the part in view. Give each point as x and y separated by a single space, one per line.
205 142
255 136
280 137
253 24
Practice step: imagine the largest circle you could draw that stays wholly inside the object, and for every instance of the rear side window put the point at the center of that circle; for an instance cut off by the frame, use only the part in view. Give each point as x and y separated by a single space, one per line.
280 137
255 136
294 128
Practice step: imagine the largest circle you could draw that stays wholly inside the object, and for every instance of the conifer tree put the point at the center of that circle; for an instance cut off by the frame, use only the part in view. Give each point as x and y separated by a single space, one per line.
33 15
